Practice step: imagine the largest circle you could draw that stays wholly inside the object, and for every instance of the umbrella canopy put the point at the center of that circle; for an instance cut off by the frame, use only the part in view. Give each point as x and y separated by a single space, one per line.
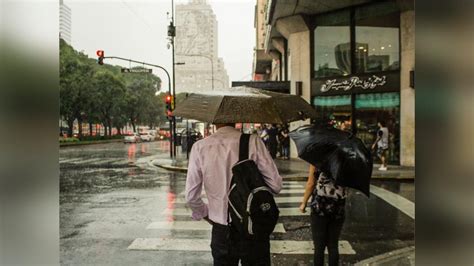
245 105
345 156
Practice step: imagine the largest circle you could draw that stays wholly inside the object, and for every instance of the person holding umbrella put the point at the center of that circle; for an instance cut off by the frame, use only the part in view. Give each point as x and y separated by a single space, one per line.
338 160
327 213
213 159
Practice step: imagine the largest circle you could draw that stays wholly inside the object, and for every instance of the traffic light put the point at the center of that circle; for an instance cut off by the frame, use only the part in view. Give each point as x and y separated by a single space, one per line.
169 105
100 59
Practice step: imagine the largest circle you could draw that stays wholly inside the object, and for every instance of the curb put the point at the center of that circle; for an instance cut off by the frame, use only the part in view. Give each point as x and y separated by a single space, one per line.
79 143
388 257
172 168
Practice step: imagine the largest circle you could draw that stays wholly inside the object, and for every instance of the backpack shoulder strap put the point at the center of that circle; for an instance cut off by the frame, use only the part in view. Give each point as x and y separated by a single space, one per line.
244 147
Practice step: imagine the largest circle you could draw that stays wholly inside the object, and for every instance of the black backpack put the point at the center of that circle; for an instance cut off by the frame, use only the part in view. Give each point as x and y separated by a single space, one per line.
252 207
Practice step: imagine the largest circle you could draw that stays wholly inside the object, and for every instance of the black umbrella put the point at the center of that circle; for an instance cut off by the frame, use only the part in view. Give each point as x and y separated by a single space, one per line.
345 156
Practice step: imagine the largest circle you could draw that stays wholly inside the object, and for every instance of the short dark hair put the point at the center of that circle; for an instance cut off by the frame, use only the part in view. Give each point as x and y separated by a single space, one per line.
382 123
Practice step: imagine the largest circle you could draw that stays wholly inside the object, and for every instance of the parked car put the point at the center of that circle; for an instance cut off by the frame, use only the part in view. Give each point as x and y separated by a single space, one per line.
146 136
132 138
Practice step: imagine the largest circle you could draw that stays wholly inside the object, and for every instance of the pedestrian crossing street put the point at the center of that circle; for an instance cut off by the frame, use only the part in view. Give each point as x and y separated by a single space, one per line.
292 192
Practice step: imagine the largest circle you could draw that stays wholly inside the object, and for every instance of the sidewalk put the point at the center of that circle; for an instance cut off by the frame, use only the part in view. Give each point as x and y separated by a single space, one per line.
404 256
297 169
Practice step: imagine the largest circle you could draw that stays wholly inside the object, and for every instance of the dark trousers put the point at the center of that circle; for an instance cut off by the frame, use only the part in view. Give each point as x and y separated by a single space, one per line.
326 232
228 247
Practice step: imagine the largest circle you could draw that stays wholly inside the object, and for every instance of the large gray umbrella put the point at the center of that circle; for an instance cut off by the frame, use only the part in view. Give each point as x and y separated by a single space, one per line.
244 105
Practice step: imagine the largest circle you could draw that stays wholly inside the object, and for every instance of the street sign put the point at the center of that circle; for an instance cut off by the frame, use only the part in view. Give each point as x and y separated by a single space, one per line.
136 70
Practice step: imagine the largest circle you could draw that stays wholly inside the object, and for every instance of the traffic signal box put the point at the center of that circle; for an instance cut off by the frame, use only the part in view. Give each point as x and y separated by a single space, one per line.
169 100
100 59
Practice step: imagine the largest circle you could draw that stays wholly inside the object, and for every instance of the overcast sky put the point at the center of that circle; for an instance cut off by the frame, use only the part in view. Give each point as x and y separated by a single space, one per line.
138 30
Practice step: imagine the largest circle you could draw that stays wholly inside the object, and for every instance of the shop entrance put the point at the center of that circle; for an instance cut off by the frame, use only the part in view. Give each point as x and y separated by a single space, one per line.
366 111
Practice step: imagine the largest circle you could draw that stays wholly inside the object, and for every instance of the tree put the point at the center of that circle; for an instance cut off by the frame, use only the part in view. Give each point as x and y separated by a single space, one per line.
75 81
140 90
95 93
111 93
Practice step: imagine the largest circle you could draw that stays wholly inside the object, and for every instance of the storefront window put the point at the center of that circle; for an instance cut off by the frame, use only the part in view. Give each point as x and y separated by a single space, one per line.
377 38
332 45
334 110
374 107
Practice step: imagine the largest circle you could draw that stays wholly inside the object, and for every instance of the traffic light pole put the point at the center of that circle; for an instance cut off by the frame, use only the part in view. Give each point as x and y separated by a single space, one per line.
172 146
173 106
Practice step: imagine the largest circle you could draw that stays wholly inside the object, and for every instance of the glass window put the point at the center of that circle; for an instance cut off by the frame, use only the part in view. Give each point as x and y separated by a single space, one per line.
334 110
332 45
377 38
374 107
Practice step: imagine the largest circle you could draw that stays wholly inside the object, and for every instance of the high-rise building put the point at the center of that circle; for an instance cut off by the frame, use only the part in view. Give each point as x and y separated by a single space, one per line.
196 46
64 22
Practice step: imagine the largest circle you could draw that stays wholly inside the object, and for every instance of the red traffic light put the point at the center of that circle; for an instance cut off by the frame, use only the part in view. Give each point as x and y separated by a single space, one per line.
168 98
100 54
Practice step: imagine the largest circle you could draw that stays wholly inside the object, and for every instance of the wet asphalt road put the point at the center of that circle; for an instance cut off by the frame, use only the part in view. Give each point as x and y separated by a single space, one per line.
114 204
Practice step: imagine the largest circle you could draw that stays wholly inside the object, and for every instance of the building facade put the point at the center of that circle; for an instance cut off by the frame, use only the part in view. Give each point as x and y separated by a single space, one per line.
196 45
354 61
65 22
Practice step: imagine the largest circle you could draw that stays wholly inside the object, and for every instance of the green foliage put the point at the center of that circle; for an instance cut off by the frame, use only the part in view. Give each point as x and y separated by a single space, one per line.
102 94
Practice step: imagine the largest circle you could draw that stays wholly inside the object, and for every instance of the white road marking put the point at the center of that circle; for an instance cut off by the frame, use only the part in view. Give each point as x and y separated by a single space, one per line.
292 190
70 160
110 160
276 246
196 226
278 199
187 212
294 182
284 190
292 186
293 199
395 200
90 160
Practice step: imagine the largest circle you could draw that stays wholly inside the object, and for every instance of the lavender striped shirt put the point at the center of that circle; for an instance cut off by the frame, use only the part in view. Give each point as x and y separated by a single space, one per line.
210 165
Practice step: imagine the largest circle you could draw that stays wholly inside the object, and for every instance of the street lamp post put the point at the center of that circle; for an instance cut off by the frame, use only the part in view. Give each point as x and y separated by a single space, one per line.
172 34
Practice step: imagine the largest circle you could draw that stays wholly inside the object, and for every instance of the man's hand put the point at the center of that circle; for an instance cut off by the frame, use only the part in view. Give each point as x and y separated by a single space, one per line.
208 220
303 207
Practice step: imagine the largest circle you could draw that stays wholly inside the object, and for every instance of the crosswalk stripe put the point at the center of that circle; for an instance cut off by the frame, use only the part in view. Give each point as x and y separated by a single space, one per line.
395 200
111 160
187 212
196 226
294 182
276 246
292 190
70 160
90 160
293 186
291 199
284 190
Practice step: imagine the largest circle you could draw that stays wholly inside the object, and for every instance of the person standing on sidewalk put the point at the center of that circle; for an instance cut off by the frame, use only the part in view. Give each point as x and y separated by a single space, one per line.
285 144
272 140
327 213
382 144
210 165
